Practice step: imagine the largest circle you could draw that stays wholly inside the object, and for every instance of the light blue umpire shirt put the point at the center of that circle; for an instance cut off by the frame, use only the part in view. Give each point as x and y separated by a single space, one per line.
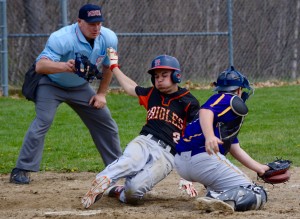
65 42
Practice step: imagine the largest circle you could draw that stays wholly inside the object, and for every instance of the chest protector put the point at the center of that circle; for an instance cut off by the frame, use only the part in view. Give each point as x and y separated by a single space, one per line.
229 130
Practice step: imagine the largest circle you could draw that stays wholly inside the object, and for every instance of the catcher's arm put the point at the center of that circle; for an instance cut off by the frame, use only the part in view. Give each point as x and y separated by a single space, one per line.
206 122
238 153
273 172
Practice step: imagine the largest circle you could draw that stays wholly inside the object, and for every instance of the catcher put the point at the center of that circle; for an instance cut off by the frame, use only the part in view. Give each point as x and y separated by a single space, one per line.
201 151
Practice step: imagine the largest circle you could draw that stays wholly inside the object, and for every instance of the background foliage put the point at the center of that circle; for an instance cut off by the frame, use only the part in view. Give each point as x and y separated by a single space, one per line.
265 35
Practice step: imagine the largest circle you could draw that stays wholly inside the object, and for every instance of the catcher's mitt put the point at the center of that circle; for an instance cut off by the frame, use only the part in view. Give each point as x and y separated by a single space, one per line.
278 172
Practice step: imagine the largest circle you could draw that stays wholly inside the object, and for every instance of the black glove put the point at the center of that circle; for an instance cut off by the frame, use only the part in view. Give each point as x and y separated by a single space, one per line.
85 69
278 172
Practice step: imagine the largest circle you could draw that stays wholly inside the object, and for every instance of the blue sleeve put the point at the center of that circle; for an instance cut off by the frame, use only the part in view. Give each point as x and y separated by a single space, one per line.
54 49
59 47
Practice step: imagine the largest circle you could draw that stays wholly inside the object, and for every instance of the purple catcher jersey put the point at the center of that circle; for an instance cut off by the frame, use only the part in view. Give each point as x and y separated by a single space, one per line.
193 139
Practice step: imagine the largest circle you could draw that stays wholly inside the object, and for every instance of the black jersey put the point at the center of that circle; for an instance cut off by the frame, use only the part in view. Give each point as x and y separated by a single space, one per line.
167 114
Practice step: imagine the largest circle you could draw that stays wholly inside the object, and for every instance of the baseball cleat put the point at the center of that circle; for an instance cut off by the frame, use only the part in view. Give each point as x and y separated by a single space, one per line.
19 176
210 204
115 191
99 186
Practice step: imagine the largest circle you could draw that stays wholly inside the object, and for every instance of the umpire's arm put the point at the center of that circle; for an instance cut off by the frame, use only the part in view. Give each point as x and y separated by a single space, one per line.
47 66
105 82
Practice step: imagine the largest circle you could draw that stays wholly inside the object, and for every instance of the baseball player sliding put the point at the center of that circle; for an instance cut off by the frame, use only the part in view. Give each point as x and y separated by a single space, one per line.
201 151
149 157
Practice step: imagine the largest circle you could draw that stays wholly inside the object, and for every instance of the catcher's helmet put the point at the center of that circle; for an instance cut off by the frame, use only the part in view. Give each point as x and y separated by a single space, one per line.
230 80
166 62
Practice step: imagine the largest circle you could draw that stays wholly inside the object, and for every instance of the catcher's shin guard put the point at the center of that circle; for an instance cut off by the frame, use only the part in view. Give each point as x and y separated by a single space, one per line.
245 198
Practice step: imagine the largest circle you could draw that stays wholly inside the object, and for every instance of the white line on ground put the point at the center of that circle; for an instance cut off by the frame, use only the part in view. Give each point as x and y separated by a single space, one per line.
69 213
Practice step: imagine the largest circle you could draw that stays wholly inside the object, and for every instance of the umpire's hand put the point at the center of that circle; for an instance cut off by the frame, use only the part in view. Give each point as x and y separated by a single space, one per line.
98 101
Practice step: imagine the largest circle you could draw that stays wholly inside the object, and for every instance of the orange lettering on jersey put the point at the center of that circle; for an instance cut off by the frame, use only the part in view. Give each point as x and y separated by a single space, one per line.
176 121
156 112
163 114
151 113
167 116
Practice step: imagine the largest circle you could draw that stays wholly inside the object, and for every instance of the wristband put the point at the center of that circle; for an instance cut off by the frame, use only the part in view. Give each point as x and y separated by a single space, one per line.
114 66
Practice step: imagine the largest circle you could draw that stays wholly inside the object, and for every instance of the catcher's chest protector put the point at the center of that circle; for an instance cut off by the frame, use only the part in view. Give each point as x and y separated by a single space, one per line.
229 130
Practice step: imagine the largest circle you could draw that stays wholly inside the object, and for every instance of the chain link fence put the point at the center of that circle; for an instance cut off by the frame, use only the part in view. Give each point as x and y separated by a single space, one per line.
265 35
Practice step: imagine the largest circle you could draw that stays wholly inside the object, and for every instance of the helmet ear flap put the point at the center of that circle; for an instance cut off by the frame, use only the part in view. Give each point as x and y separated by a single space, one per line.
153 79
176 76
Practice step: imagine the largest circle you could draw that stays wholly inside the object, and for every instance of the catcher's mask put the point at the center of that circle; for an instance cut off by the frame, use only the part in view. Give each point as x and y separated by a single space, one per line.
166 62
230 80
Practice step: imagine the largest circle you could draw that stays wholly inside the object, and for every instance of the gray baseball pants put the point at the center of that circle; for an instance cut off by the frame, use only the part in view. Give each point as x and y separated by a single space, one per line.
216 172
144 164
101 125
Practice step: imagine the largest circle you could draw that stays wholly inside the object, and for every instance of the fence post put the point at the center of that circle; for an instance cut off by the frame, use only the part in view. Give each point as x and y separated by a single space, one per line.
64 12
230 41
4 59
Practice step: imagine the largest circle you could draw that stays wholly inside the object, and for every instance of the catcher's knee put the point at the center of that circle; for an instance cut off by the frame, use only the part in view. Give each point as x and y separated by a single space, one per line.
244 198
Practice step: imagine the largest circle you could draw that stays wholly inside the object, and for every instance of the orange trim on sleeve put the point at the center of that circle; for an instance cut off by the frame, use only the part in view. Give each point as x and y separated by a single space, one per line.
144 100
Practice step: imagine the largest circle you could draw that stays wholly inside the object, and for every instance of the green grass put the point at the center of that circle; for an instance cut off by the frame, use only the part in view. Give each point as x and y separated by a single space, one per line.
270 130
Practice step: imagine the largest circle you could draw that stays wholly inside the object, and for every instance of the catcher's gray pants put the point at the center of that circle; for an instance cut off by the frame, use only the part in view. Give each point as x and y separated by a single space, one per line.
216 172
102 127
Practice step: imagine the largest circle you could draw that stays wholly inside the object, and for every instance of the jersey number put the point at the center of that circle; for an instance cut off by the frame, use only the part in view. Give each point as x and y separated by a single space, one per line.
176 137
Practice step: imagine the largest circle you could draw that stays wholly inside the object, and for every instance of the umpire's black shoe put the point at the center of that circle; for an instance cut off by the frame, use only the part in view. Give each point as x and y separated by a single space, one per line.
19 176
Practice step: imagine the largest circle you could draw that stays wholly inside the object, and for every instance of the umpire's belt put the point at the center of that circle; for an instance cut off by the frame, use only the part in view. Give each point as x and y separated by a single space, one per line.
162 144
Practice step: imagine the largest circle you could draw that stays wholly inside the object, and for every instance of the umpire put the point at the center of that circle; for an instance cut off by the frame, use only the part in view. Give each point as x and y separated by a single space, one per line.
61 84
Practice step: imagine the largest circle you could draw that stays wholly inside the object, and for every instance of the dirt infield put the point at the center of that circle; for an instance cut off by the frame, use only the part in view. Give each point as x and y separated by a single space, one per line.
57 195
